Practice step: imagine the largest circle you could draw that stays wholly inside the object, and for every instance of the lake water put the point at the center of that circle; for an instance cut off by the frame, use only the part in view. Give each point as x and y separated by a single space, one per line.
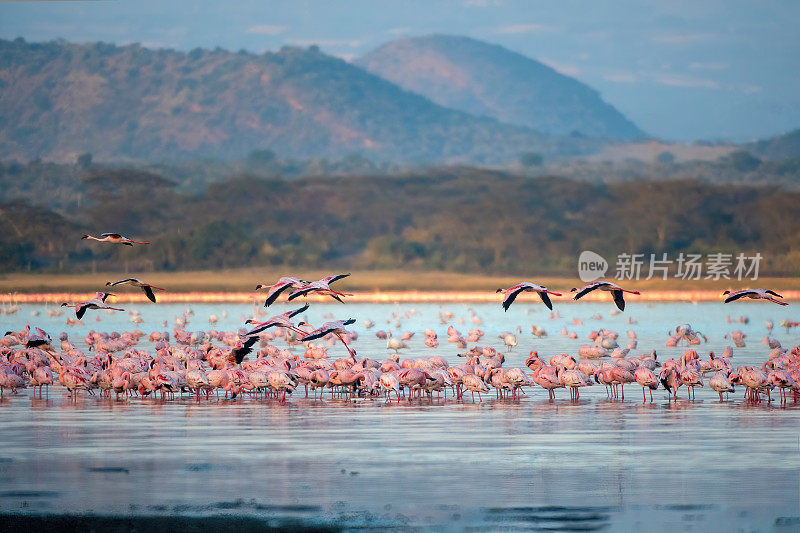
495 464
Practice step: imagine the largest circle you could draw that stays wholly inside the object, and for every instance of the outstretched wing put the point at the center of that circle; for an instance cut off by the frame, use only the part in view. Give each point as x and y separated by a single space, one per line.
120 282
336 298
79 311
619 299
112 235
511 297
586 290
297 311
737 295
316 334
274 292
149 293
331 279
773 293
546 300
247 347
300 292
261 327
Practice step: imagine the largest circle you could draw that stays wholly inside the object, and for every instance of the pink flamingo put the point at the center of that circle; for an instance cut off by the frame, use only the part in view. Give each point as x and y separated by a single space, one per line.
615 290
146 287
114 238
98 302
321 287
754 294
511 293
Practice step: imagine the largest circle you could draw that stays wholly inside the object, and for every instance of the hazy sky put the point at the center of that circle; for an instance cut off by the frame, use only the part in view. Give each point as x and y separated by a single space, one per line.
684 70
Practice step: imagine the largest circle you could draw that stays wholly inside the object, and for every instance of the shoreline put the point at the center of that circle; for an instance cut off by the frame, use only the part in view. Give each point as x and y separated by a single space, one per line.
414 296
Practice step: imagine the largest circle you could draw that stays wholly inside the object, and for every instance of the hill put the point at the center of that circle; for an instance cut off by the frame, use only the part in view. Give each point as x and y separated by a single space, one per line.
58 100
489 80
786 146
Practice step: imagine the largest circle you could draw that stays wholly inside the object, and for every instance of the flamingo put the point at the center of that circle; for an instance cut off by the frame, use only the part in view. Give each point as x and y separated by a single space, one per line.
146 287
670 377
98 302
278 287
336 327
114 238
573 379
281 320
615 290
526 286
38 340
321 287
719 382
646 378
754 294
547 378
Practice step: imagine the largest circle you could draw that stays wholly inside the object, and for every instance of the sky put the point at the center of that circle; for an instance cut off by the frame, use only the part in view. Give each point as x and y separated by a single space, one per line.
681 70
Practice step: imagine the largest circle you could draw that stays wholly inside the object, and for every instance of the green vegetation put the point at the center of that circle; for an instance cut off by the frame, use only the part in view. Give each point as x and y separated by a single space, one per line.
457 219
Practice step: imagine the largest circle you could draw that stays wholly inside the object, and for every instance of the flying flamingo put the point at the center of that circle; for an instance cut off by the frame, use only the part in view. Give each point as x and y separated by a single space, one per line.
281 285
146 287
114 238
321 287
615 290
526 286
336 327
98 302
281 320
754 294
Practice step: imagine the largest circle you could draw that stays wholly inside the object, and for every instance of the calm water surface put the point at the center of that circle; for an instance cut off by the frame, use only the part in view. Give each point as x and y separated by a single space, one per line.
526 464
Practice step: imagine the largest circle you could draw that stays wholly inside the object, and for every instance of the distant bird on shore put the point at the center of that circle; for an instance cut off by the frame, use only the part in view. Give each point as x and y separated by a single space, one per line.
114 238
526 286
321 287
281 285
146 287
615 290
754 294
98 302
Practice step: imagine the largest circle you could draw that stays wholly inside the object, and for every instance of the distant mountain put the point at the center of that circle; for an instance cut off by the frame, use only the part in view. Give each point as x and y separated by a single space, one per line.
486 79
786 146
59 99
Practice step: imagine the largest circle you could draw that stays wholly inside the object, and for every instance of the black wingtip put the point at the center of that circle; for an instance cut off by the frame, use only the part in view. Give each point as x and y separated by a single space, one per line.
149 293
298 311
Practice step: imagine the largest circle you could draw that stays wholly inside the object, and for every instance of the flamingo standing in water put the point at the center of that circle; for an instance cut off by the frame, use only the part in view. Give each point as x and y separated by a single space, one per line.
98 302
321 287
114 238
754 294
615 290
646 378
511 293
146 287
275 290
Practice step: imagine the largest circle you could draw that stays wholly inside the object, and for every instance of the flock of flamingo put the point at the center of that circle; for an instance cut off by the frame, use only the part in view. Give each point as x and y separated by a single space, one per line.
222 362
